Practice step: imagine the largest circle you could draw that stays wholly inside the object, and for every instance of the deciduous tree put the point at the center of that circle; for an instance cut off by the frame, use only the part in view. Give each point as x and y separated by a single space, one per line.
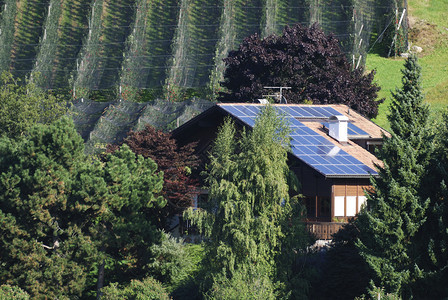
175 162
23 105
305 59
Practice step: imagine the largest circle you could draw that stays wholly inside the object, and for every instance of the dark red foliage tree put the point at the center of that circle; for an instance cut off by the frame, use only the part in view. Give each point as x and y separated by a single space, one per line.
305 59
176 163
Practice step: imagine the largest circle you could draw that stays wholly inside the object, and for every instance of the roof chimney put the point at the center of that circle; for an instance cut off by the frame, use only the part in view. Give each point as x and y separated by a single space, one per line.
338 128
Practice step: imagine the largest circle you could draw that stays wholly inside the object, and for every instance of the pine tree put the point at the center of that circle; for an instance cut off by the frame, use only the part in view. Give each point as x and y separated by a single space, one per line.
43 246
248 200
397 207
433 243
62 214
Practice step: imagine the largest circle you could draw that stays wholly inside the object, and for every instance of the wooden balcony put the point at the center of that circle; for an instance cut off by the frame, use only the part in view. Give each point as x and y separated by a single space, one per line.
323 230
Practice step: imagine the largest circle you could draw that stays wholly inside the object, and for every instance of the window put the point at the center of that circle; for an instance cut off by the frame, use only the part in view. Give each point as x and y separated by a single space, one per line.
351 206
310 203
339 206
361 202
324 206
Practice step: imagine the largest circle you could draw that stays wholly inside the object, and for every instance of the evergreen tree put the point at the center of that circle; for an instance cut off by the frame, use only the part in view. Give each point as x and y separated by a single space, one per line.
126 230
433 243
24 105
248 200
397 206
43 247
62 214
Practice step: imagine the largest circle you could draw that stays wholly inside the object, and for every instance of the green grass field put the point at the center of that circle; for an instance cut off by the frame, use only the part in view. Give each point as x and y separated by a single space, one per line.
430 31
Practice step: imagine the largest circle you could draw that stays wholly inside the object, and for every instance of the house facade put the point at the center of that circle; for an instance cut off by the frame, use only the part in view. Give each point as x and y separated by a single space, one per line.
331 154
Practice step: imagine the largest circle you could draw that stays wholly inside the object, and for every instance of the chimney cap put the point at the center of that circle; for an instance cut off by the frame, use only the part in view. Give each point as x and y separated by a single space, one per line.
339 118
338 128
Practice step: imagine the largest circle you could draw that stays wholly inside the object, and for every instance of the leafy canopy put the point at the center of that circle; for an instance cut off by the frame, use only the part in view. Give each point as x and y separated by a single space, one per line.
175 162
305 59
23 105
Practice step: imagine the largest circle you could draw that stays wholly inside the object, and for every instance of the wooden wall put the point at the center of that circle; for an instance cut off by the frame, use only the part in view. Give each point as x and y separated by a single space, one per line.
348 196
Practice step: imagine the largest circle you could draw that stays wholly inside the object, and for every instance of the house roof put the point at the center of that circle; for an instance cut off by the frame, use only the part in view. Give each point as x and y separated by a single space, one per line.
310 142
372 129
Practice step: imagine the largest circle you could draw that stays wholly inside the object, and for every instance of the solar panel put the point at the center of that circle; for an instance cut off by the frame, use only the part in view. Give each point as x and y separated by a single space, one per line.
234 111
352 130
306 144
248 120
292 111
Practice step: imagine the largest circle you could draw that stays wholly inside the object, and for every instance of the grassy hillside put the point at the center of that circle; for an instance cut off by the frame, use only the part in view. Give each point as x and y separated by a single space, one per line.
429 30
122 46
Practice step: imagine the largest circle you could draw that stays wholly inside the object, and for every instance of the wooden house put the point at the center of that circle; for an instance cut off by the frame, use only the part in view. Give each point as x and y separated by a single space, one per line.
331 154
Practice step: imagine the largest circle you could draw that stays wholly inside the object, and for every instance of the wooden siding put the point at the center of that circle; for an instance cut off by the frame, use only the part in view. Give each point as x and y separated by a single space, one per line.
323 230
348 190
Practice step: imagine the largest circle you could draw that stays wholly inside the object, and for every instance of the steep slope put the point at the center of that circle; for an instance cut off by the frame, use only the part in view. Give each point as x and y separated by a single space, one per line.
124 46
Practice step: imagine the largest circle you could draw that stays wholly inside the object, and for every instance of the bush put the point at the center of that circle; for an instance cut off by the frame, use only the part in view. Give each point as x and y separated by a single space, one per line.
171 264
178 266
8 292
245 284
189 286
148 288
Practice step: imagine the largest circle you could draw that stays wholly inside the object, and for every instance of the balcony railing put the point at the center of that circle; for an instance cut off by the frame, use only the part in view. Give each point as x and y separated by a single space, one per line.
323 230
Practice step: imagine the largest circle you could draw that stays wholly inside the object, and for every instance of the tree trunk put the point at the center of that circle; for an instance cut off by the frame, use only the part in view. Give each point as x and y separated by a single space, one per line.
100 283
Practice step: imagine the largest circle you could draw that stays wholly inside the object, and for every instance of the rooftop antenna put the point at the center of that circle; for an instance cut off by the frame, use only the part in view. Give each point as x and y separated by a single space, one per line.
279 95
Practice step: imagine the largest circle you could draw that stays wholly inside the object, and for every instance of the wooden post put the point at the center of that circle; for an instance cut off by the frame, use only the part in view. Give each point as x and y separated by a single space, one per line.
332 203
396 30
316 199
345 201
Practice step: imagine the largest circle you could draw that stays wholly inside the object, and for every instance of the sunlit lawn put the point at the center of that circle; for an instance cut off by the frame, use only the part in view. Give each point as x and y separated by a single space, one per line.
434 65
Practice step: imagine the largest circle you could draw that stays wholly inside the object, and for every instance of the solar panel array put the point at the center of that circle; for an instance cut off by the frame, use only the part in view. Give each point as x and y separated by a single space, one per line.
306 144
300 112
352 130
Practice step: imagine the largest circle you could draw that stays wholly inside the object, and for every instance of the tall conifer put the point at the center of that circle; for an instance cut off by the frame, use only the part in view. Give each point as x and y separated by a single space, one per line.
247 180
433 242
397 207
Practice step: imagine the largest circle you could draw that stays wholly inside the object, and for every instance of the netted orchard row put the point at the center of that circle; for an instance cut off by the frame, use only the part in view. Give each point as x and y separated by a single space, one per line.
102 123
130 46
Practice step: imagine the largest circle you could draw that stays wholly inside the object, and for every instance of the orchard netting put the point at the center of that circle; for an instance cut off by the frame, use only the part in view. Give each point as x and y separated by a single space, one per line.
164 47
102 123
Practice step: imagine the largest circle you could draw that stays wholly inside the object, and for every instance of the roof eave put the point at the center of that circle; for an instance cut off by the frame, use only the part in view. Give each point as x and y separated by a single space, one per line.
359 137
351 176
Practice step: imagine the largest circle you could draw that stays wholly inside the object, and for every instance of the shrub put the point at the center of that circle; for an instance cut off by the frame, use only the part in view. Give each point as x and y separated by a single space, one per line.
244 284
8 292
148 288
171 264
